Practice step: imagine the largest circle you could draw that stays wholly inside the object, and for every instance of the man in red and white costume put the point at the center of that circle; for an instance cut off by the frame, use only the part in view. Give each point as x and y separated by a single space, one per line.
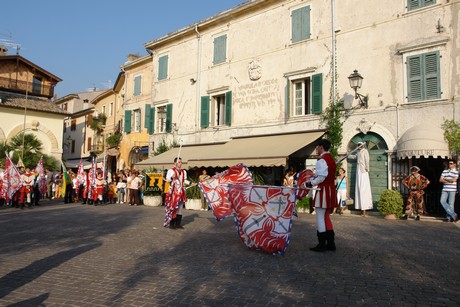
100 186
28 178
325 199
176 197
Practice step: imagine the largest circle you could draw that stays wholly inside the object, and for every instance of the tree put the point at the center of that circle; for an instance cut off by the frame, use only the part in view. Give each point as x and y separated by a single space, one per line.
30 154
335 114
452 135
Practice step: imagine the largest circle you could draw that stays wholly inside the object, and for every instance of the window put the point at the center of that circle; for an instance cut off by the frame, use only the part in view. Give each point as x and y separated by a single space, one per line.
72 148
300 19
103 110
306 95
89 144
137 85
164 115
220 49
64 106
73 125
111 109
163 67
137 120
65 126
216 110
416 4
37 85
423 77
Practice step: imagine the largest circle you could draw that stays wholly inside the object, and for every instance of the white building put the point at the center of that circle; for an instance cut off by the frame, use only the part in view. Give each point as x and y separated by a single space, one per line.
264 68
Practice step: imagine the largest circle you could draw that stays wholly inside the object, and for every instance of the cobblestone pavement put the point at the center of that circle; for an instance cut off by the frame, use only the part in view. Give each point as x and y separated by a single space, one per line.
116 255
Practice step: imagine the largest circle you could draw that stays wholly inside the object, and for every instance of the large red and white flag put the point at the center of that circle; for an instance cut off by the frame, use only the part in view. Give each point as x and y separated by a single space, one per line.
263 215
12 181
303 177
81 176
215 189
41 177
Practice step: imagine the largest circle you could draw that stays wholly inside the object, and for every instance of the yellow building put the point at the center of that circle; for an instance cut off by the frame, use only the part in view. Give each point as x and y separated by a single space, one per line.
137 99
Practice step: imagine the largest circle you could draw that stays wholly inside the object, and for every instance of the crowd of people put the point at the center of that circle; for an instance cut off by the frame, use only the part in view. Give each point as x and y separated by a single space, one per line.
124 187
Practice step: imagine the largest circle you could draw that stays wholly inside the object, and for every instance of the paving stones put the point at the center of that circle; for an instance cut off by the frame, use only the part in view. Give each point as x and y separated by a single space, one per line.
116 255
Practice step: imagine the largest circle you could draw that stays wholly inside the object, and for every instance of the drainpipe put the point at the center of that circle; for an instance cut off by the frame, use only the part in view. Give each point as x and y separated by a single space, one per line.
198 79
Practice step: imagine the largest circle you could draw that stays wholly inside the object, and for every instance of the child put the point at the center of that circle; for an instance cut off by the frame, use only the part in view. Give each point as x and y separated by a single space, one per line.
112 193
121 190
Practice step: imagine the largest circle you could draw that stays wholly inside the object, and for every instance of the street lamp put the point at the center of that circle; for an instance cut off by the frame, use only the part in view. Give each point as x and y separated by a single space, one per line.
356 80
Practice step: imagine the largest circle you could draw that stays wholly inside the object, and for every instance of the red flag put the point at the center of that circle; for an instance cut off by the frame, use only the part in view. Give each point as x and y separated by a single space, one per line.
215 189
303 177
263 215
12 181
41 178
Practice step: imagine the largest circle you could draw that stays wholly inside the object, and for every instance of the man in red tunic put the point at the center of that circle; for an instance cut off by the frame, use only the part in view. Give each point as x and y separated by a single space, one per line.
176 197
26 190
325 199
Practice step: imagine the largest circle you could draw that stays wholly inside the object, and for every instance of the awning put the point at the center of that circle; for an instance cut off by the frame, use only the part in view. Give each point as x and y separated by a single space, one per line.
423 141
166 159
266 150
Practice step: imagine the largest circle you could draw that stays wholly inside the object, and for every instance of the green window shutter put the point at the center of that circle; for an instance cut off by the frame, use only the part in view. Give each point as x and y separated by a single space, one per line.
204 119
432 77
300 24
163 67
152 121
137 85
128 121
149 118
287 102
228 108
317 94
414 78
413 4
220 49
169 117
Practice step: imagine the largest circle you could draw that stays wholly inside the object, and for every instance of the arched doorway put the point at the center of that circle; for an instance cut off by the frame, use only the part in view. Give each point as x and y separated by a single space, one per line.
378 173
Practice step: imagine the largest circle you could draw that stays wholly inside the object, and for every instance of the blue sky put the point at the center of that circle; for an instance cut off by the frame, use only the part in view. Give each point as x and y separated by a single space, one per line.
84 42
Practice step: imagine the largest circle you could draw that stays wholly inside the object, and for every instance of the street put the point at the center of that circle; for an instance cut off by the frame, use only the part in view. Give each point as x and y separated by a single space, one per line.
116 255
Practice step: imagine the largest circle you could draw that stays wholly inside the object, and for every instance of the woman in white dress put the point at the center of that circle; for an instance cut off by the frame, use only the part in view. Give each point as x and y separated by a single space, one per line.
363 194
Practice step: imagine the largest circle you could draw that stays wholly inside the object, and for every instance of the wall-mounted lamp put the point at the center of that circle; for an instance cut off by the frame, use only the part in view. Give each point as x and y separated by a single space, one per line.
356 80
192 80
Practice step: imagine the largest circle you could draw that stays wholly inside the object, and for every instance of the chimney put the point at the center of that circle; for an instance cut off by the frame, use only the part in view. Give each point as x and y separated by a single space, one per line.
3 50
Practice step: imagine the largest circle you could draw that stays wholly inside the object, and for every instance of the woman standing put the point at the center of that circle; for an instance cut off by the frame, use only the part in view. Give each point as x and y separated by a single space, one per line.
342 191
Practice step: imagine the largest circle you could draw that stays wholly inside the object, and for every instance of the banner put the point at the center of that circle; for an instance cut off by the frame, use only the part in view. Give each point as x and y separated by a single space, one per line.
303 177
263 215
154 183
215 189
12 181
41 177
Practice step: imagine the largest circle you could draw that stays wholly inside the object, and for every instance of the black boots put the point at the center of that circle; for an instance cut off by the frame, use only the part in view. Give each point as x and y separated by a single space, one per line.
172 223
324 237
178 221
321 247
330 245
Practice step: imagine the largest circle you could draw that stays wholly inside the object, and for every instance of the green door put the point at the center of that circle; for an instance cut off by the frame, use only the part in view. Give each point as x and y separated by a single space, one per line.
378 173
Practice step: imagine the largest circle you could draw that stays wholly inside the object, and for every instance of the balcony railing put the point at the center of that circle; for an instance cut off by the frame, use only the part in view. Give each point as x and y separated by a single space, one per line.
18 86
98 148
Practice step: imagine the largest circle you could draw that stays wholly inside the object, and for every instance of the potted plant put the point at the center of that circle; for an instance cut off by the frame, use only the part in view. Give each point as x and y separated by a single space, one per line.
303 205
193 194
391 204
114 140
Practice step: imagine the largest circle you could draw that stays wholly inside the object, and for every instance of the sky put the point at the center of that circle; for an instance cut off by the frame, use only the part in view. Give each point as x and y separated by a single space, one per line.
85 42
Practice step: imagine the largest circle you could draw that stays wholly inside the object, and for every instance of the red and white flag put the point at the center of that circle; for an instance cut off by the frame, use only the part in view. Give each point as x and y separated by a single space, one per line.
263 215
81 176
303 177
41 177
215 189
12 181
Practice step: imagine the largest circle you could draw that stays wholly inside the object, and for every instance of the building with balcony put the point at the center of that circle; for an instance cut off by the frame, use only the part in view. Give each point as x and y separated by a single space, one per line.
246 85
26 93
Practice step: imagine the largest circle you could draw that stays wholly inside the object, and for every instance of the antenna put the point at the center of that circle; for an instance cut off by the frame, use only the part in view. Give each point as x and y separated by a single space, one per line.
10 43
